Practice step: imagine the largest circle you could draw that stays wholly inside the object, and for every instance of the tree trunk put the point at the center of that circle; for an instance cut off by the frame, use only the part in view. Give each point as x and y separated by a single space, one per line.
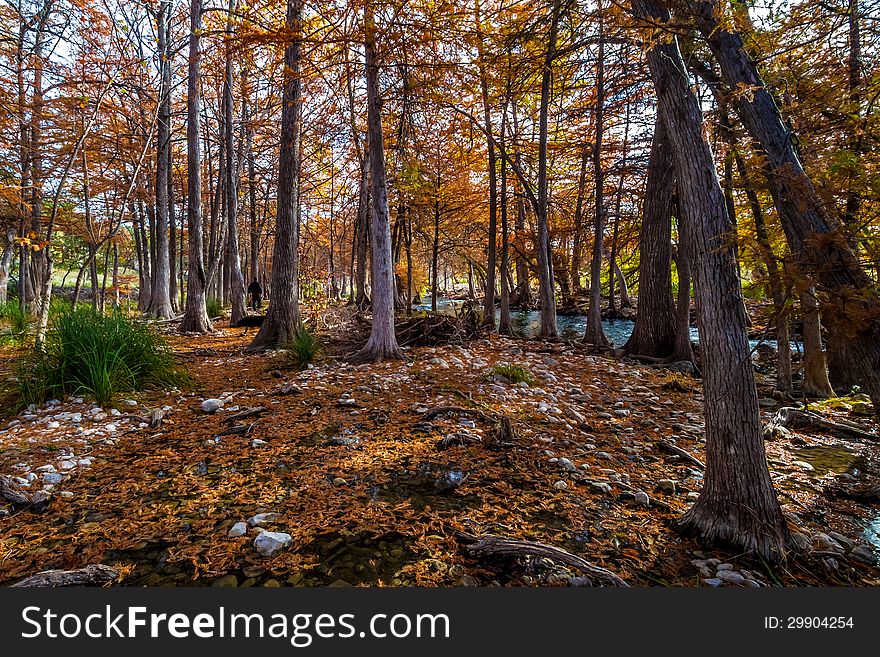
547 293
593 333
816 382
235 278
504 326
737 504
382 344
195 316
160 297
362 300
683 349
654 332
489 298
6 262
777 285
283 317
435 244
576 247
820 251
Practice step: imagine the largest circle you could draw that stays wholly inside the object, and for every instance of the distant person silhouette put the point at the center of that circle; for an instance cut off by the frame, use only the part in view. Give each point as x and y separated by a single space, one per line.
255 291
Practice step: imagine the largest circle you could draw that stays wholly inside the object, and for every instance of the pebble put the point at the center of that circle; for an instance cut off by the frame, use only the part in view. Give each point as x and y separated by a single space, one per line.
561 485
803 465
642 498
667 485
238 529
713 581
269 544
66 494
226 582
731 577
256 442
52 478
339 481
263 519
211 405
567 465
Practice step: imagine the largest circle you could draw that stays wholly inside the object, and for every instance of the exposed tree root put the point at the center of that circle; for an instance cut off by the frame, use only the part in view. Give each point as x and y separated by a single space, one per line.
448 410
248 412
93 575
669 447
793 418
492 545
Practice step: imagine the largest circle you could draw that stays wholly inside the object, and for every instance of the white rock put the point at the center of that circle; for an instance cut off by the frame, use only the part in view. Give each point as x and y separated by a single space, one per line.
238 529
212 405
66 465
269 544
256 442
111 428
52 478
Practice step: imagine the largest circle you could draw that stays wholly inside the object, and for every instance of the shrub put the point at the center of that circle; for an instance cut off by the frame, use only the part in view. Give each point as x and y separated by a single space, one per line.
302 349
97 355
214 307
514 373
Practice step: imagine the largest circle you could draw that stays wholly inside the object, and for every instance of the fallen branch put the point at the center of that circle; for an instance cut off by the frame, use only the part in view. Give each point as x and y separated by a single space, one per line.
793 418
669 447
248 412
489 544
93 575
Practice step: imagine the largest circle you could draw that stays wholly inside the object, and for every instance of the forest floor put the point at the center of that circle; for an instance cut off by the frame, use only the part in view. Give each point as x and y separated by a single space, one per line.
345 457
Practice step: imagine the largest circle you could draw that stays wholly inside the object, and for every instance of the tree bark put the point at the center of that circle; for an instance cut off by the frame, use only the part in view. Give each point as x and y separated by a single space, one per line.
737 504
821 252
283 317
160 292
816 382
195 316
654 332
593 333
382 344
489 297
235 279
547 293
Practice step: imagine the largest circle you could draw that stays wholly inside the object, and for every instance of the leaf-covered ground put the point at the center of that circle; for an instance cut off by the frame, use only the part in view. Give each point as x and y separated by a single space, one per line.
359 480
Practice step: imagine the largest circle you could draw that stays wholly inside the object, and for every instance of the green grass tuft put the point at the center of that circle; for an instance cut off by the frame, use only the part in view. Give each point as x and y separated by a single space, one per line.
87 353
514 373
301 350
214 307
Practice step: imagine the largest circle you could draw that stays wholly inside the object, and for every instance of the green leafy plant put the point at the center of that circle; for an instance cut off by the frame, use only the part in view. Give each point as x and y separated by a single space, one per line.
513 373
302 349
97 355
214 307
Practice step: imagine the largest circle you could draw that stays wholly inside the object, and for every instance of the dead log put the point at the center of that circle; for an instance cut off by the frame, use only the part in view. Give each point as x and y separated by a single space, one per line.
788 417
237 430
690 458
248 412
492 545
457 440
92 575
866 494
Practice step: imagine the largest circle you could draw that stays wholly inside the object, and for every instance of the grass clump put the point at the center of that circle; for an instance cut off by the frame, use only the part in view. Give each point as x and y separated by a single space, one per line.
16 320
87 353
302 349
513 373
214 307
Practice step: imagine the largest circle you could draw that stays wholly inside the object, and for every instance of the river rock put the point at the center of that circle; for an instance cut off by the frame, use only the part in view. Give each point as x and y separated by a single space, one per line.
238 529
731 577
566 465
52 478
667 485
269 544
225 582
212 405
824 543
262 519
863 554
642 498
560 485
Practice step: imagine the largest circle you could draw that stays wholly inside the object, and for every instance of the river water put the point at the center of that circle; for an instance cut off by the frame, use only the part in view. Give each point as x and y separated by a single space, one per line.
527 324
